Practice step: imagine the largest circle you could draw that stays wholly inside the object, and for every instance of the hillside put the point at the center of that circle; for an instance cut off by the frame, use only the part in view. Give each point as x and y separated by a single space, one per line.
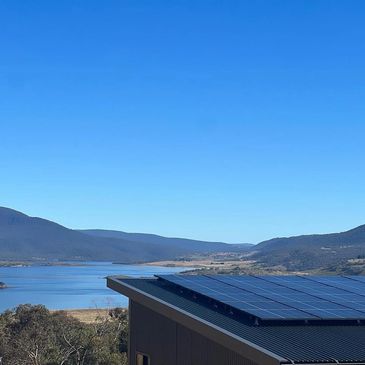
179 243
31 238
23 237
312 251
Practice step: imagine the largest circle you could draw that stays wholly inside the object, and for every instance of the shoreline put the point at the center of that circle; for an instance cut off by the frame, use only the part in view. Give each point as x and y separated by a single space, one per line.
30 263
171 263
16 264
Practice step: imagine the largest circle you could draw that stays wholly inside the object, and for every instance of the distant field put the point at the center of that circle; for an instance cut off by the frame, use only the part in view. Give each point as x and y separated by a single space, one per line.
201 263
88 315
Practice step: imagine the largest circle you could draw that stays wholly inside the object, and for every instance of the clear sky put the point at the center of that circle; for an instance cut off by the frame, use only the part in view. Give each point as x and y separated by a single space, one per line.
219 120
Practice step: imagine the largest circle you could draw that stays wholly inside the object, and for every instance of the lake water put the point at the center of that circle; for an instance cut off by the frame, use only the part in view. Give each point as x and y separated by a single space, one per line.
69 287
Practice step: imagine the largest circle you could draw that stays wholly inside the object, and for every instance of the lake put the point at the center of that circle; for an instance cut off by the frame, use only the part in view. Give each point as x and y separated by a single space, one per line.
69 287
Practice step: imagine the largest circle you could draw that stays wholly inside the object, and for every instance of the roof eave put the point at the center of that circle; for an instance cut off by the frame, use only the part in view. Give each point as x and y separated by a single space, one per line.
245 348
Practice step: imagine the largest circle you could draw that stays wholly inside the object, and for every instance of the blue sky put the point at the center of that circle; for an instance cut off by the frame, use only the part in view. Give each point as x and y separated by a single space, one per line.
219 120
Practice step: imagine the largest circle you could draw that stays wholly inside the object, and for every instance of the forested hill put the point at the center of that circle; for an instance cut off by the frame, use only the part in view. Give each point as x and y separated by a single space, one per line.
178 243
28 238
313 251
25 237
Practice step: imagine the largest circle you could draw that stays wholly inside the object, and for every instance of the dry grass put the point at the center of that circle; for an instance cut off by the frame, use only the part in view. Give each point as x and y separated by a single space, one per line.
88 315
204 263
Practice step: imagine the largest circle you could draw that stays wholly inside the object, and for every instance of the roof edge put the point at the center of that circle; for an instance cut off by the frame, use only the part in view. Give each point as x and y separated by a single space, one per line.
237 344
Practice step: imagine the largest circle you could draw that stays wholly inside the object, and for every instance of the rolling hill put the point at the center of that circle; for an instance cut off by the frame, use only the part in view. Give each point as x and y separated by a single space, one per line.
179 243
31 238
23 237
312 251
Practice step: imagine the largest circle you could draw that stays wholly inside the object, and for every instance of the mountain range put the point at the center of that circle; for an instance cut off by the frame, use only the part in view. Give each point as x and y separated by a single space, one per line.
30 238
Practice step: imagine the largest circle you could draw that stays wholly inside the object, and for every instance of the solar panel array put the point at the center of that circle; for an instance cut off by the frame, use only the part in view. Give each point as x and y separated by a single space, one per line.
282 297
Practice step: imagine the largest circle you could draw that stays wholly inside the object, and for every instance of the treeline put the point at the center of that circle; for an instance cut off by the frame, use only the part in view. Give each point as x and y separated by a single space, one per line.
32 335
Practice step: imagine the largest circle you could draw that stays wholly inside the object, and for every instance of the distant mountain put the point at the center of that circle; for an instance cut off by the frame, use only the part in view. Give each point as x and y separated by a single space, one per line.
24 237
30 238
178 243
312 251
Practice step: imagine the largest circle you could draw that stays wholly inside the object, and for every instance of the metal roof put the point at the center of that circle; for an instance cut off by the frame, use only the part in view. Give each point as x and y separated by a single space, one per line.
299 344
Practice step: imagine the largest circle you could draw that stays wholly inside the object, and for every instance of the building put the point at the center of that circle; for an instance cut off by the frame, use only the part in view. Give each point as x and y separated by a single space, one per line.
244 320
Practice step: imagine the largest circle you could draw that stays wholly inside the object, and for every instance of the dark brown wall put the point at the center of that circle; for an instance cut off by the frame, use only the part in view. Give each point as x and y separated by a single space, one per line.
169 343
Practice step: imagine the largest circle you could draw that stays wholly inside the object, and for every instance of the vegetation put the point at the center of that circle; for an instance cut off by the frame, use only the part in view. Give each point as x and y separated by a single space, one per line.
349 267
32 335
24 238
310 252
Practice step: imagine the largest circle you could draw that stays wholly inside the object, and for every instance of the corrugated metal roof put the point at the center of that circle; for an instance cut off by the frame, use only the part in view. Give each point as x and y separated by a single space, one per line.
301 344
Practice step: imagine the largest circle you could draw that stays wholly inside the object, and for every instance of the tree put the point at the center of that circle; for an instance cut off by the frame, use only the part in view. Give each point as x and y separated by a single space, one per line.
32 335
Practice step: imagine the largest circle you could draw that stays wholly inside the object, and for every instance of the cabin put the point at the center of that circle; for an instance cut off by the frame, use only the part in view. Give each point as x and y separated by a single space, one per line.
244 320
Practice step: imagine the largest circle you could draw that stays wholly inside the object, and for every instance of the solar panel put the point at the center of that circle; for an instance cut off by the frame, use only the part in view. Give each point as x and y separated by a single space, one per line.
313 305
340 303
352 284
358 278
281 297
234 297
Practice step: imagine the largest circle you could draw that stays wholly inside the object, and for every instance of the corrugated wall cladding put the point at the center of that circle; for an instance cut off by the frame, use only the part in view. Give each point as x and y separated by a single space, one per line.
184 339
152 334
169 343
